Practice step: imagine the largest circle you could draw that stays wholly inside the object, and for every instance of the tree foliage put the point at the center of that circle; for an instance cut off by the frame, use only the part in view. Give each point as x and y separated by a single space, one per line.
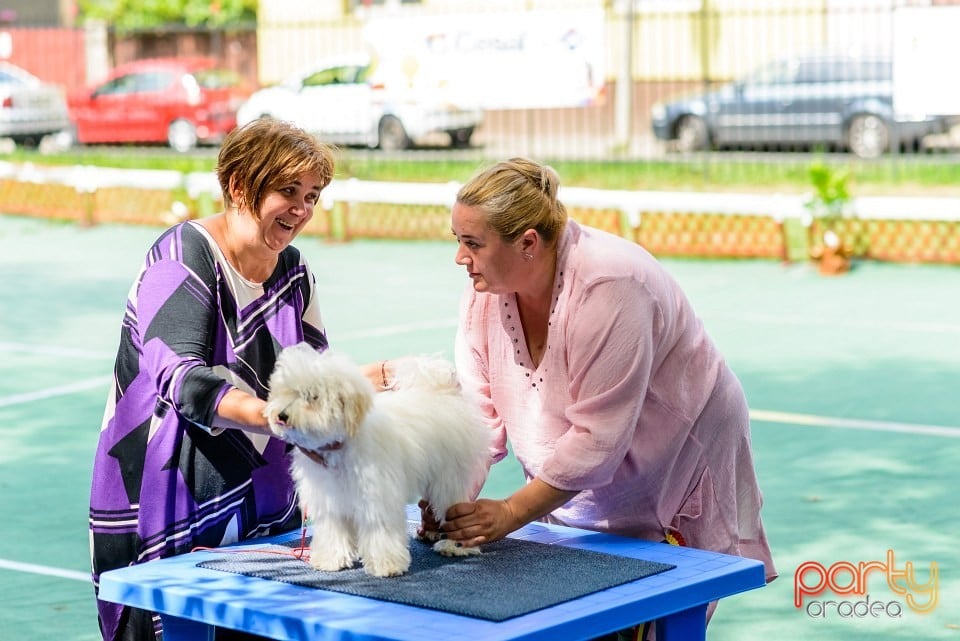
129 15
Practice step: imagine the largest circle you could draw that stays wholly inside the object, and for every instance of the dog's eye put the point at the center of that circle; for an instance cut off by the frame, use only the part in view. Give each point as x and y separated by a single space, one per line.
282 416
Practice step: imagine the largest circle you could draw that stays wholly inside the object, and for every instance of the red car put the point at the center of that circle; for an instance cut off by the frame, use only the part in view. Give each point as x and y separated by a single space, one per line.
180 102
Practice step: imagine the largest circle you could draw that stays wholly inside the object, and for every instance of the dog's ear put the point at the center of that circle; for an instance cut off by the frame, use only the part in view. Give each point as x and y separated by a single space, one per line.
355 408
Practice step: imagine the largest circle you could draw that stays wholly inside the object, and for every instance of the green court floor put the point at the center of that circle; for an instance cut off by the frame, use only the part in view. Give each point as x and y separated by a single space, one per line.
852 382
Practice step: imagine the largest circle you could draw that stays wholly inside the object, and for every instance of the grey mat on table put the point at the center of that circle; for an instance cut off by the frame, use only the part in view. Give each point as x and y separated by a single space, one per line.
511 577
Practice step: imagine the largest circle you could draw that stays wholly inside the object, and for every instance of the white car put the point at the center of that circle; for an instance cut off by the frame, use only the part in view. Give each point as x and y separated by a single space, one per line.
30 108
343 102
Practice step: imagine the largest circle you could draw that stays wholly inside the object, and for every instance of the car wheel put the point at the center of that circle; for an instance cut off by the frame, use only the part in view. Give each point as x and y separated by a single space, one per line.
392 136
868 136
460 138
55 143
29 141
66 138
692 134
182 135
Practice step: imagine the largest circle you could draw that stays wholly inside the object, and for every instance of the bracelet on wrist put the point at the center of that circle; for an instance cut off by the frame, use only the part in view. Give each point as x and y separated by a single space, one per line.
383 375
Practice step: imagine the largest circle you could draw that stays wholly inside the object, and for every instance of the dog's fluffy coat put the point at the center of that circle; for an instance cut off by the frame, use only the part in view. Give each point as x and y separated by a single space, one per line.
379 452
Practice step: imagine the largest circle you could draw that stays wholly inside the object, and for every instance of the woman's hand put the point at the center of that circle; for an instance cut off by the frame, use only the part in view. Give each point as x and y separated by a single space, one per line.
486 520
241 411
429 525
482 521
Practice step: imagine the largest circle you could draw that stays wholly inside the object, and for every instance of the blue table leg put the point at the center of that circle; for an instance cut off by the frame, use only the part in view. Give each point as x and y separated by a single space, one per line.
177 629
686 625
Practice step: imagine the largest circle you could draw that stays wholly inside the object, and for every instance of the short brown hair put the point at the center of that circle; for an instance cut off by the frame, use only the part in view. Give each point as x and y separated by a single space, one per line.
267 153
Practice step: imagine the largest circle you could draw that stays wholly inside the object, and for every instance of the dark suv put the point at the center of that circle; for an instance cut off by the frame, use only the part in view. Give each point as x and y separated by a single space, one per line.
840 102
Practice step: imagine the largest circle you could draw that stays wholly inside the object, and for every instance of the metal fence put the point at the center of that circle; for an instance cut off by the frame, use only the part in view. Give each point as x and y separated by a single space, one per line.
549 76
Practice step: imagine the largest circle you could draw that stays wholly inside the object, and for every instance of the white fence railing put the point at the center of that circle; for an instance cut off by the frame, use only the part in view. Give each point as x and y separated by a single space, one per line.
85 178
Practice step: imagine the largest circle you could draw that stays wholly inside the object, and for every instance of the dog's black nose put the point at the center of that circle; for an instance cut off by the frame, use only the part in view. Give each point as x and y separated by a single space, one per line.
283 417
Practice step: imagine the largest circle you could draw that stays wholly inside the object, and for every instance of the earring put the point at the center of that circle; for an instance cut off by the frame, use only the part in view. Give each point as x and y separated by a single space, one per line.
527 255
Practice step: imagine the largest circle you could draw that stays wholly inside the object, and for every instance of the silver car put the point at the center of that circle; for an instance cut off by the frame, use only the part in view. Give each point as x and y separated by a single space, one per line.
343 102
30 108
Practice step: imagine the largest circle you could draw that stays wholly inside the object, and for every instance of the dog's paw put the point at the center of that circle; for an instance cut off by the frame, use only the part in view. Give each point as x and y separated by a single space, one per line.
446 547
428 536
330 563
385 565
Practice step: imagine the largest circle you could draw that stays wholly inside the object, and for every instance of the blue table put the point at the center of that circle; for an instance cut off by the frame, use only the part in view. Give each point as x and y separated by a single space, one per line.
192 600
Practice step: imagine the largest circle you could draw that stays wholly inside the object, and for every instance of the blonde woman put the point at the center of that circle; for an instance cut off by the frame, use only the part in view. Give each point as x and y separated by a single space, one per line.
588 358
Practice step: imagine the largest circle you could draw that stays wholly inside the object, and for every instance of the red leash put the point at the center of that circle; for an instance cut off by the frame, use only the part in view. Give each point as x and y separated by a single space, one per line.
301 552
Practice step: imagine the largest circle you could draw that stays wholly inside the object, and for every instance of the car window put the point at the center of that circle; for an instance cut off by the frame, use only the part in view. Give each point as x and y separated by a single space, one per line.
153 81
135 83
820 71
782 72
874 70
364 73
119 85
345 74
217 79
7 78
844 70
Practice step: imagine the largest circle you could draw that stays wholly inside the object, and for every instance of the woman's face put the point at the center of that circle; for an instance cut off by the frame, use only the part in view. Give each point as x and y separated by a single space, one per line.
287 209
492 264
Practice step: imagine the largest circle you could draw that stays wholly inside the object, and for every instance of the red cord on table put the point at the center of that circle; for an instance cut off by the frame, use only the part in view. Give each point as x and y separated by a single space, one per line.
301 552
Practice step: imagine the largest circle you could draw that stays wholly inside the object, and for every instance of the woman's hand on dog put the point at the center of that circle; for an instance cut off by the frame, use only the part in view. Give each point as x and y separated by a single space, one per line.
428 522
486 520
469 518
479 522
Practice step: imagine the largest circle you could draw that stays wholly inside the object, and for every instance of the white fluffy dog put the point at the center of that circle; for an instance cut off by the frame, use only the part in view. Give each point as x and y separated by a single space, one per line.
373 453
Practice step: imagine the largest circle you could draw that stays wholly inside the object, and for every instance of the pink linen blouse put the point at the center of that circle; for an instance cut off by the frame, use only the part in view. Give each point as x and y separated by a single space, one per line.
632 404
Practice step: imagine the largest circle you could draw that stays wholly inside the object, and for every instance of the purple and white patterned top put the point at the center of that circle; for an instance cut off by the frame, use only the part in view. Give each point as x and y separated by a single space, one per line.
165 480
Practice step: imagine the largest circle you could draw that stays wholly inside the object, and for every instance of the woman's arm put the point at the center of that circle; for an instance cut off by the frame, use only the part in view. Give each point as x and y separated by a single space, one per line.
175 311
486 520
241 411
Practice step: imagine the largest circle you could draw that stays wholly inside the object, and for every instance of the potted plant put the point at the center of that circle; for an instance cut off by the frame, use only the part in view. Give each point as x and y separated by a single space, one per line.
828 205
